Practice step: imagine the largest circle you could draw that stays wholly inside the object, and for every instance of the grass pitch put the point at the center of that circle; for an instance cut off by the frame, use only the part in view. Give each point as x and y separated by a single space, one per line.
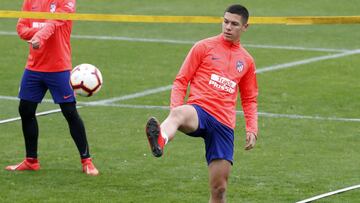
300 153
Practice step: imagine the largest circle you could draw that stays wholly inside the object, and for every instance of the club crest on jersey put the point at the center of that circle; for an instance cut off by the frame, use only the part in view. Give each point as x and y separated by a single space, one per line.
52 7
70 5
239 66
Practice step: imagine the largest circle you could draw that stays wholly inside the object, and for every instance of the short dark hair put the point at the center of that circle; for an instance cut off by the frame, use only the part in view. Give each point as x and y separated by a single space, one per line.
240 10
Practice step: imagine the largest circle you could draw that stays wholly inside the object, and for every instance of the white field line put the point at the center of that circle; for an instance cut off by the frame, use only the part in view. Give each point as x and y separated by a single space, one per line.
329 194
171 41
37 114
295 116
307 61
259 71
132 96
262 114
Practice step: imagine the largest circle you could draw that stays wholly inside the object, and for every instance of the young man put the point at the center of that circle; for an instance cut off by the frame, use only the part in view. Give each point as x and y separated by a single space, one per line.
48 67
216 69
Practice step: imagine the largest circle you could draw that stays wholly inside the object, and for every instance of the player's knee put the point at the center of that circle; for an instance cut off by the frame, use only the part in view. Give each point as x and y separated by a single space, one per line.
69 111
27 109
179 113
218 191
176 113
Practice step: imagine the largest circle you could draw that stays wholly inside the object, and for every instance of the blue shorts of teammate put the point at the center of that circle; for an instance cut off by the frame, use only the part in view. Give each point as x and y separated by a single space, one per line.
218 138
34 85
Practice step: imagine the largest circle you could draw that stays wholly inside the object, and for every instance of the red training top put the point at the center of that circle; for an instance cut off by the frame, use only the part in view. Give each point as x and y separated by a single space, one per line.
216 70
54 54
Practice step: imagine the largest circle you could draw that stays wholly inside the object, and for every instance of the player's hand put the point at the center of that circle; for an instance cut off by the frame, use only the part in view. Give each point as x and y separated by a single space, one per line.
35 43
250 140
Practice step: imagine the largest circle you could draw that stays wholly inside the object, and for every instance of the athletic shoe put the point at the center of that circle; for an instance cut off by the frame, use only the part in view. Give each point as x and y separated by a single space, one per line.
88 167
155 139
30 164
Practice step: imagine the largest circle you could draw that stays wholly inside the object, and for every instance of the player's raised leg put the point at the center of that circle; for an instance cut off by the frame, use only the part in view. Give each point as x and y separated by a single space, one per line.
183 118
156 140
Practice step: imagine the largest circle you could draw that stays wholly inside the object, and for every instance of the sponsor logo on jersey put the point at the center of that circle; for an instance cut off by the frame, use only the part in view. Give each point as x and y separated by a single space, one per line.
239 66
222 83
52 7
38 25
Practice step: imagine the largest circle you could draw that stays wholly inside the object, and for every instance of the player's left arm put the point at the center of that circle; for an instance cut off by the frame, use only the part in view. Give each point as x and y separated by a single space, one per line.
248 92
67 6
23 28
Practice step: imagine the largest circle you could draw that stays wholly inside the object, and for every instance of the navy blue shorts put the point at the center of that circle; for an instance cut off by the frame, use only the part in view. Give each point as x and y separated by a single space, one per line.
35 84
218 138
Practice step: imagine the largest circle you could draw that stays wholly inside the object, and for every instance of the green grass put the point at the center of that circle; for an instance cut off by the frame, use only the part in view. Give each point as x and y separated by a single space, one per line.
294 159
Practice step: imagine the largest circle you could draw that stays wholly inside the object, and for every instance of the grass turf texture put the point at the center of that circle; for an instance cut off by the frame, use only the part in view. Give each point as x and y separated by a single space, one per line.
294 158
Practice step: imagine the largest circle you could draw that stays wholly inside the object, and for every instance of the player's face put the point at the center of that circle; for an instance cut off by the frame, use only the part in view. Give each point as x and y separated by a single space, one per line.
232 27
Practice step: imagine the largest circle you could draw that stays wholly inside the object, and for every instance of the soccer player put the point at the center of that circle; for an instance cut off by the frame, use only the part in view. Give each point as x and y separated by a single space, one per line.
48 67
216 69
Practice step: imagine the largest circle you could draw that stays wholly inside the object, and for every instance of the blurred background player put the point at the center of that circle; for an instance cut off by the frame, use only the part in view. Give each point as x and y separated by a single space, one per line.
216 69
48 67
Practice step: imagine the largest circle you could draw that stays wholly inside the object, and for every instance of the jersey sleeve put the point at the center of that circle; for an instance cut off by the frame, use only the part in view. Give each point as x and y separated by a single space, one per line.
248 94
23 27
67 6
185 74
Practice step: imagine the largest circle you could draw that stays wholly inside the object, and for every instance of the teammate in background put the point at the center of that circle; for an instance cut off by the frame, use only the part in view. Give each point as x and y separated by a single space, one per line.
48 67
216 69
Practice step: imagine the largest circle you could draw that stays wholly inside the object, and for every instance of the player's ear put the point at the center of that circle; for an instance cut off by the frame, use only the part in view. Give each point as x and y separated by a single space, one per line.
245 27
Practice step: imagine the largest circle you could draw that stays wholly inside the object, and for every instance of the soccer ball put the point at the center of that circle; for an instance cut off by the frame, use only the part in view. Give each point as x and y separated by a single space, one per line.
86 80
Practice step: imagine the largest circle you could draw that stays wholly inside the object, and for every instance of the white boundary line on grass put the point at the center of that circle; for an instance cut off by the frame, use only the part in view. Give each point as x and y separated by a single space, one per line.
307 61
106 102
132 96
263 114
329 194
37 114
258 71
171 41
296 116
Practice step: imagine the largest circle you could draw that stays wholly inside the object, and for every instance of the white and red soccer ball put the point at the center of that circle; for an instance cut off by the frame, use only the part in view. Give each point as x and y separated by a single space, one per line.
86 80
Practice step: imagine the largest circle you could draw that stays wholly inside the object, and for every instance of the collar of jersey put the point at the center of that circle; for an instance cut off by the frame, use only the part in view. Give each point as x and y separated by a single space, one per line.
229 43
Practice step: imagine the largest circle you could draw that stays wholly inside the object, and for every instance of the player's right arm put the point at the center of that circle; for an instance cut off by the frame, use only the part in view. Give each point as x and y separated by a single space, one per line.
23 27
185 75
67 6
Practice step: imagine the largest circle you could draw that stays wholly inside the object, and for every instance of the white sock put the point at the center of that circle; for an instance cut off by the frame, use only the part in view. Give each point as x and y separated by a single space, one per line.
165 136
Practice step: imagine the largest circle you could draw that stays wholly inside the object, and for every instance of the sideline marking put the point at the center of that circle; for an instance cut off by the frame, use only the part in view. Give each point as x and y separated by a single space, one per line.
306 61
172 41
37 114
132 96
263 114
258 71
329 194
